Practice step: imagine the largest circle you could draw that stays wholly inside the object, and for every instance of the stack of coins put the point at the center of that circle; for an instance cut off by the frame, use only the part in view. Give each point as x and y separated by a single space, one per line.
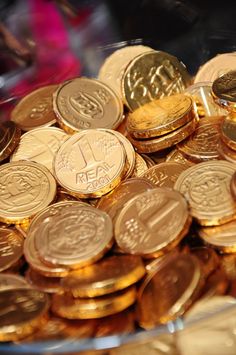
113 221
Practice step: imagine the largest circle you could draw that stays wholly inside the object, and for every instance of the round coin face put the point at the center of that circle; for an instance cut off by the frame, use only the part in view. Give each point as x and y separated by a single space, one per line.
109 275
11 247
169 290
40 145
223 89
164 174
9 138
204 142
216 67
35 109
206 187
84 103
151 76
90 163
113 203
148 223
26 188
140 166
76 235
21 312
159 117
112 70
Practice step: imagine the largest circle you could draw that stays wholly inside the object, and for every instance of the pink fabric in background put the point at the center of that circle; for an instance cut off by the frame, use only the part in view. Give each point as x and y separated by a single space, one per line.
54 60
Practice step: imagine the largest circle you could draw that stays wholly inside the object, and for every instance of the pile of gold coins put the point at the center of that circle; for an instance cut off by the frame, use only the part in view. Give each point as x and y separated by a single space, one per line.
118 198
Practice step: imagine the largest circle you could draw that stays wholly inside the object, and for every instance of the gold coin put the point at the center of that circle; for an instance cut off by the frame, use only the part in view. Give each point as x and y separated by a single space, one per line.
43 283
223 90
9 138
10 281
32 257
149 161
167 292
203 143
130 153
113 202
35 109
22 312
140 166
216 67
75 235
63 195
111 274
26 188
66 306
120 323
164 174
90 163
206 187
152 223
11 247
40 145
112 70
176 156
158 117
84 103
151 76
226 153
203 102
228 131
166 141
221 237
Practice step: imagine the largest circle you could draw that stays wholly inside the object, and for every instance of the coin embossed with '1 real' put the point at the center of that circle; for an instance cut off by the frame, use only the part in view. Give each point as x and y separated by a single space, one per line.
148 223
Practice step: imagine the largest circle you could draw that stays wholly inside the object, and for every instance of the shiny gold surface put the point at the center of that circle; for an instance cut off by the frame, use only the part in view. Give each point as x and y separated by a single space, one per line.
140 166
221 237
164 174
84 103
40 145
109 275
21 312
228 131
216 67
166 141
204 142
26 188
152 222
223 90
81 308
113 202
151 76
43 283
72 234
35 109
120 323
176 156
11 282
90 163
11 247
203 102
206 187
158 117
112 70
9 138
168 291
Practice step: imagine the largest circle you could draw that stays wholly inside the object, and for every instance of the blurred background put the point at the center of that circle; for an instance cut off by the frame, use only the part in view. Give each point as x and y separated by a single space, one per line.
45 41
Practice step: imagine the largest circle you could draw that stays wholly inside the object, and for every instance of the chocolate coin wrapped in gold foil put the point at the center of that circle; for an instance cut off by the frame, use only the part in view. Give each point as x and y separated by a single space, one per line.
35 109
148 224
151 76
84 103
